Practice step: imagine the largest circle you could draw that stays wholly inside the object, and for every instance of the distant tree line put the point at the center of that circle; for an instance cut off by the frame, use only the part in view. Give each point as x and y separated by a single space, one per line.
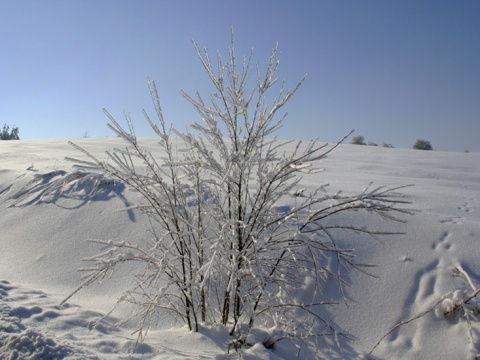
420 144
360 140
8 134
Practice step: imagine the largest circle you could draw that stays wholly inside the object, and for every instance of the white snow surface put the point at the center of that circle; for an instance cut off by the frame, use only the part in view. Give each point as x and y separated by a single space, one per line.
46 220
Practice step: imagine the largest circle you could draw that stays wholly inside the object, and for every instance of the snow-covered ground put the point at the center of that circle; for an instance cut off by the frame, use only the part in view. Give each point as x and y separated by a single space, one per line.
43 228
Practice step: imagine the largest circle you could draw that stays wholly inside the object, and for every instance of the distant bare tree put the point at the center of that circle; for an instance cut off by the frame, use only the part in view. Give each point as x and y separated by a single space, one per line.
422 145
358 140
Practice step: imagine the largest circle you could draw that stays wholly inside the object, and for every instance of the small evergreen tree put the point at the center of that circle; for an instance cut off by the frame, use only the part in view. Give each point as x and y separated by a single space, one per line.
6 134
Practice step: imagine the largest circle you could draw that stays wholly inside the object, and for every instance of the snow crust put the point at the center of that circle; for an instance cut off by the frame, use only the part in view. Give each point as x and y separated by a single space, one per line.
48 209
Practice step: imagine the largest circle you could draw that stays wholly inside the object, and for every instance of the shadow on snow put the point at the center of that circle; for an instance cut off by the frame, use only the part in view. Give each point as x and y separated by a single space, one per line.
79 185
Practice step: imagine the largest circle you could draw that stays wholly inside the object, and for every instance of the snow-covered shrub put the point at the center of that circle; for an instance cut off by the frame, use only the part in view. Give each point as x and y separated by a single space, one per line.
225 249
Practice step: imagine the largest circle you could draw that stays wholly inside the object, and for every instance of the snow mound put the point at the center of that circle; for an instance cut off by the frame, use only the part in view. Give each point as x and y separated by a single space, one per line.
17 341
34 327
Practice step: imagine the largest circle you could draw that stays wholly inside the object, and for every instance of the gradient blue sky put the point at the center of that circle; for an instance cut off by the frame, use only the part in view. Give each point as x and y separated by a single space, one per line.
394 71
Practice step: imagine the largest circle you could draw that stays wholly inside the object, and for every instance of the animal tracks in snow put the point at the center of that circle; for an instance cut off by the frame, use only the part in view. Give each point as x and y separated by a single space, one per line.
451 220
443 242
431 281
466 208
435 273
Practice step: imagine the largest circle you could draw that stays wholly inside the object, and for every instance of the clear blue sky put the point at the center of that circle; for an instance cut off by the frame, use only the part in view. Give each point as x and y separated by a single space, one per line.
394 71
